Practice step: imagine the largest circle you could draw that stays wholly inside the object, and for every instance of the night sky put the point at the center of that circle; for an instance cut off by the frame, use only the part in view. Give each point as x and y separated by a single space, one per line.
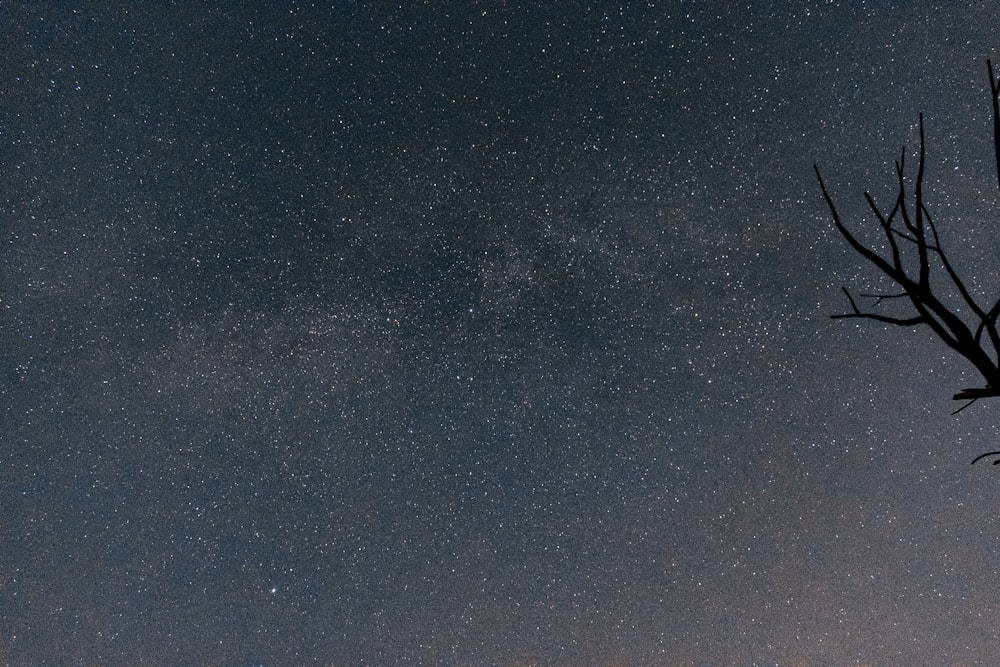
458 333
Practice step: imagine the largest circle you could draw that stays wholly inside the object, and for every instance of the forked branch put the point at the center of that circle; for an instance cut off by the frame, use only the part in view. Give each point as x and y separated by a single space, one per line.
915 260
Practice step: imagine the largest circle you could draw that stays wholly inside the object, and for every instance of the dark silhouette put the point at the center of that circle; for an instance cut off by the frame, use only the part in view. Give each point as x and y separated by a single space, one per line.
983 456
914 254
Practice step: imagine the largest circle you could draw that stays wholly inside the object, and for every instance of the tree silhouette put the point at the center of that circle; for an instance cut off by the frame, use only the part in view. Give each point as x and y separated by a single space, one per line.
914 259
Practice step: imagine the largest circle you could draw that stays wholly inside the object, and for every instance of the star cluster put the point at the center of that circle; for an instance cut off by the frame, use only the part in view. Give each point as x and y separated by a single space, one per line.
470 333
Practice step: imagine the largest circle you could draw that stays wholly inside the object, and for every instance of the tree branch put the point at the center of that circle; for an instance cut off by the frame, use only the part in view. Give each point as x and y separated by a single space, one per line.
900 321
995 95
913 271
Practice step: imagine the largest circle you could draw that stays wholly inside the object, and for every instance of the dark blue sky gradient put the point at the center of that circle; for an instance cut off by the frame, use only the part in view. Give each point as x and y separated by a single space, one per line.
483 334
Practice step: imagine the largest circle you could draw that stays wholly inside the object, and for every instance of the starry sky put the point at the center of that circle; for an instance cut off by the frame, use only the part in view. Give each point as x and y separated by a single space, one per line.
484 333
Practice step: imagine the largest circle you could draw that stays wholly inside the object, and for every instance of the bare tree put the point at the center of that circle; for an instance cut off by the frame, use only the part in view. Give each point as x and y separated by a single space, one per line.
914 259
